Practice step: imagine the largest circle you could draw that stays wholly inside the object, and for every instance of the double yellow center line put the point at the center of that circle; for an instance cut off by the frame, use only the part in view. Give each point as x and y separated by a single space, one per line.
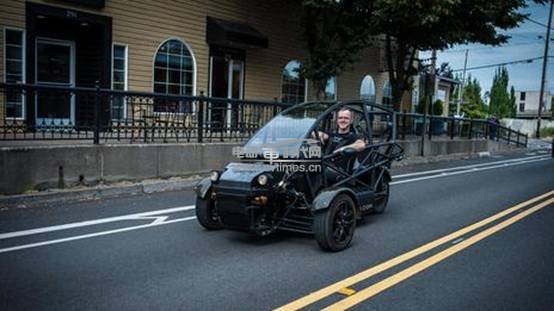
373 290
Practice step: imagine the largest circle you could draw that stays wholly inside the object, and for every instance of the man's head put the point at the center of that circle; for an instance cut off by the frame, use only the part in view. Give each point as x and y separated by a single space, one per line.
344 120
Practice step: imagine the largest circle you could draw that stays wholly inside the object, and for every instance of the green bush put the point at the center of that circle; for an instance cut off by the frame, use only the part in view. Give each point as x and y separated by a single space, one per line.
438 107
547 132
421 105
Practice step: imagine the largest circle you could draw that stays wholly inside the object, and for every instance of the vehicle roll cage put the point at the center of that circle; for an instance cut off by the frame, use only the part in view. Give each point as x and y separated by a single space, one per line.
375 159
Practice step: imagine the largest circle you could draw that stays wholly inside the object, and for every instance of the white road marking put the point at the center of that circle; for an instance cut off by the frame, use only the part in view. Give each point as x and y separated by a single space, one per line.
95 222
157 219
472 170
465 167
92 235
162 219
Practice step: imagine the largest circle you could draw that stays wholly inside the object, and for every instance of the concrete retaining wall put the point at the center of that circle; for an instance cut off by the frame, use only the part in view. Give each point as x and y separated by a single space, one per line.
528 127
30 168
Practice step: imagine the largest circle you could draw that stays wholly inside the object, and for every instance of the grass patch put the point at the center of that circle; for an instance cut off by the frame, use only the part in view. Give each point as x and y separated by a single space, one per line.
547 132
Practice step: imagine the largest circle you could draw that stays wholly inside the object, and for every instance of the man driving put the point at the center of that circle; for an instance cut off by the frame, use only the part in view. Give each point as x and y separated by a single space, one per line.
343 137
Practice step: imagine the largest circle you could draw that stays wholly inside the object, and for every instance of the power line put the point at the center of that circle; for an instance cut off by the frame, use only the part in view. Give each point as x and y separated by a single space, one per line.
528 60
537 23
491 47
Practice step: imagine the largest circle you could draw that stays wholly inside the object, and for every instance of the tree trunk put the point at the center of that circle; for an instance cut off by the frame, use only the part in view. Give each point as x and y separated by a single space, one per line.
319 87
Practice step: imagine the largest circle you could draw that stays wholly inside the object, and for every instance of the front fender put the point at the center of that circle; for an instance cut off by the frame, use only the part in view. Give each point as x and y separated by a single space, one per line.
202 187
324 198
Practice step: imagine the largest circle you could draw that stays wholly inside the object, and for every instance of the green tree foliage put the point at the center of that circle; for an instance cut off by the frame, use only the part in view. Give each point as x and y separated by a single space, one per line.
337 30
445 71
335 33
513 102
422 25
501 103
473 105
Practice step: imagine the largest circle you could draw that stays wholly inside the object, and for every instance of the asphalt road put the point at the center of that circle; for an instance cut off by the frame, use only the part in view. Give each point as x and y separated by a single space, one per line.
124 253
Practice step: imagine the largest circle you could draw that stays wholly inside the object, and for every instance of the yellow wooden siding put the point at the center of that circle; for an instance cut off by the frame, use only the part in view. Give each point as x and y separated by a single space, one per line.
145 25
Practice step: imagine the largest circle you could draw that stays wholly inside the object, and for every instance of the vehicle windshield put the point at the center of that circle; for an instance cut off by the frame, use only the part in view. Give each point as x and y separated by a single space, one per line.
289 128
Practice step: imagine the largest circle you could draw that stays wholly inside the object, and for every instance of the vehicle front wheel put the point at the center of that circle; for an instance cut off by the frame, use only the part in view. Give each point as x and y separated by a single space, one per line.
206 213
334 227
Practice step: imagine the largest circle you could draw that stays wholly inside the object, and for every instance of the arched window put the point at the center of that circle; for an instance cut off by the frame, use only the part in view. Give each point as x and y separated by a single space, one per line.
293 89
174 73
367 89
387 94
331 89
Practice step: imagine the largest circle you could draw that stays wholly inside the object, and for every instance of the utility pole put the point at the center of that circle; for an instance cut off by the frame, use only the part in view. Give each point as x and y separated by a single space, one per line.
460 92
433 78
544 64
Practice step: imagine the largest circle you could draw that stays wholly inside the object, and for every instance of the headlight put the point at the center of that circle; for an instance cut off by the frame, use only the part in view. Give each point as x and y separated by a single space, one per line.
214 176
262 180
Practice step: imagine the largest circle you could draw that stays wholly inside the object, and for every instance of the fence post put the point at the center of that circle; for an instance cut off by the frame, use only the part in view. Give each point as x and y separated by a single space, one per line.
430 127
200 115
274 107
97 113
470 132
509 135
452 126
404 126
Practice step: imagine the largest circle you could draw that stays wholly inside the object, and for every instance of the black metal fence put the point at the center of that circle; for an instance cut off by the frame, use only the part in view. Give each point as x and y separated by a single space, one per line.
434 127
107 116
100 115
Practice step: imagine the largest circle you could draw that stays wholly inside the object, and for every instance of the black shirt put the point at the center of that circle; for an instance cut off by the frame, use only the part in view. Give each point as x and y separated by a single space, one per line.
337 140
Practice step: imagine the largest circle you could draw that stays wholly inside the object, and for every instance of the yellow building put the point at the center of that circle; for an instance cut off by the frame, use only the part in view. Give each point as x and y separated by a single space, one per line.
220 48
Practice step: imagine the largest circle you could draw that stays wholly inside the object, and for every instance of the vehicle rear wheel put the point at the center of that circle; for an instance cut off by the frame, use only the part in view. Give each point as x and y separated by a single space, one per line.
206 213
334 227
383 190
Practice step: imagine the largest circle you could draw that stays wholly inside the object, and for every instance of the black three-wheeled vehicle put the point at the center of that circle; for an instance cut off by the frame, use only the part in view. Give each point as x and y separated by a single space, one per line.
280 186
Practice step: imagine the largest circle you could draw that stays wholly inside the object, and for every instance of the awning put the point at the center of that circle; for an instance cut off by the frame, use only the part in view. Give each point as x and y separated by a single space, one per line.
233 34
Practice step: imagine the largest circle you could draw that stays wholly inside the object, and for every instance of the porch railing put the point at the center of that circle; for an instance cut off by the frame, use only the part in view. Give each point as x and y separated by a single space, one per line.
105 116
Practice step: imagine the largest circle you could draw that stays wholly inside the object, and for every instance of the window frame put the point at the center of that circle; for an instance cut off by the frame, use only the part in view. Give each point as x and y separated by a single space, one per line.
194 74
23 69
387 85
282 81
335 95
374 88
126 75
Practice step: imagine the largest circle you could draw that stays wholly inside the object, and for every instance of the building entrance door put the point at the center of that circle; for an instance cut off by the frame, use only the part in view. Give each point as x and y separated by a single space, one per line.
55 66
227 78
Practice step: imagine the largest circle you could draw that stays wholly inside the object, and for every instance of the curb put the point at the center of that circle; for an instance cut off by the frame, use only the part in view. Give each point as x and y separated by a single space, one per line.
27 200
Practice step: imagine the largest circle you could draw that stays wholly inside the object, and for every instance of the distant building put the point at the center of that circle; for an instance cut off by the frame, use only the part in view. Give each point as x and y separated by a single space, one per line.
527 103
444 90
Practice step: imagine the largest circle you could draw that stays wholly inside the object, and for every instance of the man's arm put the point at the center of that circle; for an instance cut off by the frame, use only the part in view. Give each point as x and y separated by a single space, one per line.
359 145
323 137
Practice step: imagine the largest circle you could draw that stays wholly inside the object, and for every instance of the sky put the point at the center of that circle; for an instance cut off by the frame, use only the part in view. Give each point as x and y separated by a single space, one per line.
524 43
